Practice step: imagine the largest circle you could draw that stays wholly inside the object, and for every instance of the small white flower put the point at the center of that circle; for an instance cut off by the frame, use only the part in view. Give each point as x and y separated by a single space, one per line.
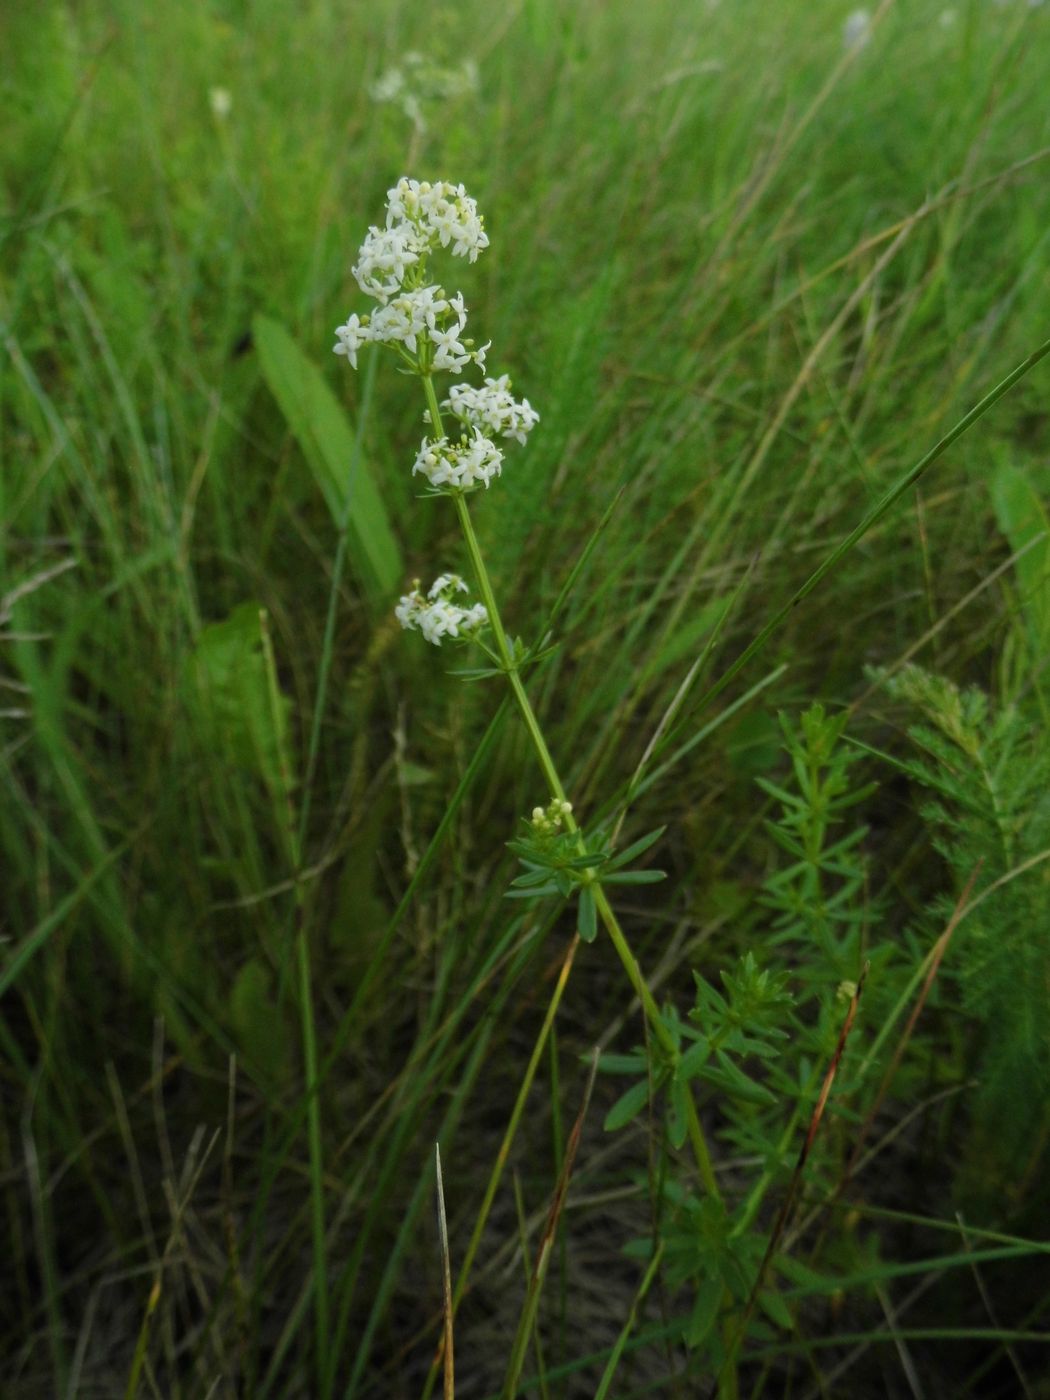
351 337
446 582
436 616
857 29
451 354
444 220
221 102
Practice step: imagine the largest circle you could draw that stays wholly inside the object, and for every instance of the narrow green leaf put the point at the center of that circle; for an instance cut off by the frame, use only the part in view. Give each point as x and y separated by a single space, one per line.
536 892
625 857
677 1118
529 881
621 1064
590 861
1023 519
734 1082
627 1106
320 426
705 1309
773 1305
694 1059
588 916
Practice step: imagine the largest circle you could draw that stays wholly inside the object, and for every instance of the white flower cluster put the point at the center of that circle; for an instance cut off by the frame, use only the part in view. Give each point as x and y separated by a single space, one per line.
546 821
417 82
463 465
427 328
422 320
418 313
420 217
436 615
492 409
384 258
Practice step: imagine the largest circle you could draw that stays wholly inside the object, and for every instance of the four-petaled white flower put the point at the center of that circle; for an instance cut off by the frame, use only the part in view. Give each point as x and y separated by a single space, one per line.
351 337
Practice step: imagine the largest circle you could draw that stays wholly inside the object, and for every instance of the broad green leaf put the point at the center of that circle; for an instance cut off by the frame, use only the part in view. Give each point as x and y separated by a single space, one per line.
231 699
590 861
320 426
257 1023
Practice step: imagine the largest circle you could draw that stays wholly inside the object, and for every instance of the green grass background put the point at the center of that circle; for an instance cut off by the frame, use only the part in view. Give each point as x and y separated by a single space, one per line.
745 282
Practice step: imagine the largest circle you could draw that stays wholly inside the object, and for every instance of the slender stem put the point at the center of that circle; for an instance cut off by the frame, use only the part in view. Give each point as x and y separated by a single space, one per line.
609 919
295 838
515 1118
314 1136
502 1157
663 1035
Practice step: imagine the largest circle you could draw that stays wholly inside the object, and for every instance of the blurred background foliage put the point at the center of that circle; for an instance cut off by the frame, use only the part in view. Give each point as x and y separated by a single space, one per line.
747 275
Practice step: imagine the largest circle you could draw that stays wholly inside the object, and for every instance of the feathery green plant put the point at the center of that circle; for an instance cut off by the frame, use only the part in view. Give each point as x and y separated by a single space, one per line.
987 769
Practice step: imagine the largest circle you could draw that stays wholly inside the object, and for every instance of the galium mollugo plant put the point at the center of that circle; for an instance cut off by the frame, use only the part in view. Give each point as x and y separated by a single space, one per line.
424 327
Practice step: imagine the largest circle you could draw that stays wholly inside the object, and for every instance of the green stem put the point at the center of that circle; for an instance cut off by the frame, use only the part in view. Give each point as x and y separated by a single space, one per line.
314 1135
503 1155
556 788
295 838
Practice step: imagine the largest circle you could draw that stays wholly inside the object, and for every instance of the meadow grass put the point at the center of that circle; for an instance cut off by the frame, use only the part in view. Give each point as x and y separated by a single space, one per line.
748 278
